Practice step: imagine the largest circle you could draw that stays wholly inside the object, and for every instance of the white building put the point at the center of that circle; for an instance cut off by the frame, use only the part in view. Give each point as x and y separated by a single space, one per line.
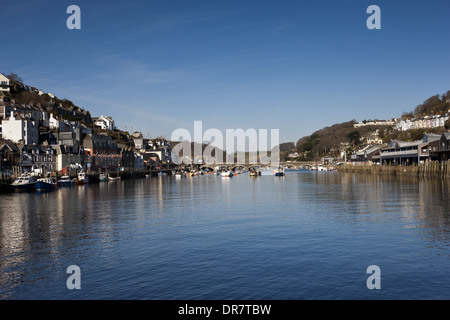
18 129
4 83
374 123
106 123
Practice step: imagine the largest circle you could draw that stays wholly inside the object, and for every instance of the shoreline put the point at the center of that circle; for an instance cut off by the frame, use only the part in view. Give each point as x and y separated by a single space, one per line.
429 169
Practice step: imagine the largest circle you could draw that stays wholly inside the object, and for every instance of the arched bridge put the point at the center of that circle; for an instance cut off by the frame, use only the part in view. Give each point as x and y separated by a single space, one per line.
297 165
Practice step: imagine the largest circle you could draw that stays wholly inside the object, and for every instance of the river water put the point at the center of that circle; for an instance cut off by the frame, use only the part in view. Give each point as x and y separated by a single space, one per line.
308 235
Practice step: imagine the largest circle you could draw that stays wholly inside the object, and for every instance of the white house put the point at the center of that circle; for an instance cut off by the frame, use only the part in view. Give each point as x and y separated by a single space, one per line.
106 123
19 129
4 83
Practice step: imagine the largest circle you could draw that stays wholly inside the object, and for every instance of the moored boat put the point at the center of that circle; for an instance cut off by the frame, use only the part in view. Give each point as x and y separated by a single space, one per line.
24 183
103 177
114 178
179 175
46 184
279 172
81 178
227 174
65 181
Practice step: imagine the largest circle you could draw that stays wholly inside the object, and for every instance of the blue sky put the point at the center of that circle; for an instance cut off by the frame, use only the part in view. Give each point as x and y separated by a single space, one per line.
296 66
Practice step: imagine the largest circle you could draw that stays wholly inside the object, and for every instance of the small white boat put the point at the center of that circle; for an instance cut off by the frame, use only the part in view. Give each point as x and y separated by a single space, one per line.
321 168
103 177
227 174
179 175
114 178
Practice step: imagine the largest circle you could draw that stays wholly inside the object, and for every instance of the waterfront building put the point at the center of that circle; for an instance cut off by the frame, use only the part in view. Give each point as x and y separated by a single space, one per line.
69 156
407 153
442 151
9 156
138 161
37 159
368 154
103 150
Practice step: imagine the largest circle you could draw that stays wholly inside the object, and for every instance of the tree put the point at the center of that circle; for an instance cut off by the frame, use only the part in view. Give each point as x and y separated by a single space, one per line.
447 124
354 137
14 77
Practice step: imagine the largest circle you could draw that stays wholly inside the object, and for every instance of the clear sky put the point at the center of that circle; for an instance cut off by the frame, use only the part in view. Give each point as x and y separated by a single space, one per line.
296 66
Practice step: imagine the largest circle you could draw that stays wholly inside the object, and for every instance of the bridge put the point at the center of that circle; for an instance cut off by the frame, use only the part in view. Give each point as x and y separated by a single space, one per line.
297 165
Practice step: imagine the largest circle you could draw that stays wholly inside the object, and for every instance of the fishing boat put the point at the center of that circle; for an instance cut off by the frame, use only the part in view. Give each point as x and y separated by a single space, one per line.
46 184
103 177
24 183
81 178
65 181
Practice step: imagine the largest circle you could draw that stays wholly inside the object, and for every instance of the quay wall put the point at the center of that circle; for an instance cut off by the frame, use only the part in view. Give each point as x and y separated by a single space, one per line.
429 169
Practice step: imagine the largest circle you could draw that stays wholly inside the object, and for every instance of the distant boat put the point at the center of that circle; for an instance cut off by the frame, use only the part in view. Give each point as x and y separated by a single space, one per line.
321 168
24 183
179 175
253 172
279 172
65 181
227 174
114 178
103 177
46 184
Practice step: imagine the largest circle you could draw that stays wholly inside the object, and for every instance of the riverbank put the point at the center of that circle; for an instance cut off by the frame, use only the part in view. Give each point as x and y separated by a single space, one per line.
429 169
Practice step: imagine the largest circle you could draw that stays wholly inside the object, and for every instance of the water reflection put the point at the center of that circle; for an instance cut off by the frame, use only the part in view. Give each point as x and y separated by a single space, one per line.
100 224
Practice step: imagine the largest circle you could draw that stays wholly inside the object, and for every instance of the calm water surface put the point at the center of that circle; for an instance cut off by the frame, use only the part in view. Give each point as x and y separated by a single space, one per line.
308 235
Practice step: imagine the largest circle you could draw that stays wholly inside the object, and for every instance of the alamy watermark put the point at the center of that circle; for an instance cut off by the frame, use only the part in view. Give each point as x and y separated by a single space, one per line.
74 20
74 281
374 280
235 147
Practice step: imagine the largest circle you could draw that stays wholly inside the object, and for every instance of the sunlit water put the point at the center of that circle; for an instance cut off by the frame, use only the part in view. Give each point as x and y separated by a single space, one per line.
308 235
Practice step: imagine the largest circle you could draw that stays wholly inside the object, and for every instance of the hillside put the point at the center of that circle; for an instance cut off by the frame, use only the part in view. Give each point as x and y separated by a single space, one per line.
330 141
